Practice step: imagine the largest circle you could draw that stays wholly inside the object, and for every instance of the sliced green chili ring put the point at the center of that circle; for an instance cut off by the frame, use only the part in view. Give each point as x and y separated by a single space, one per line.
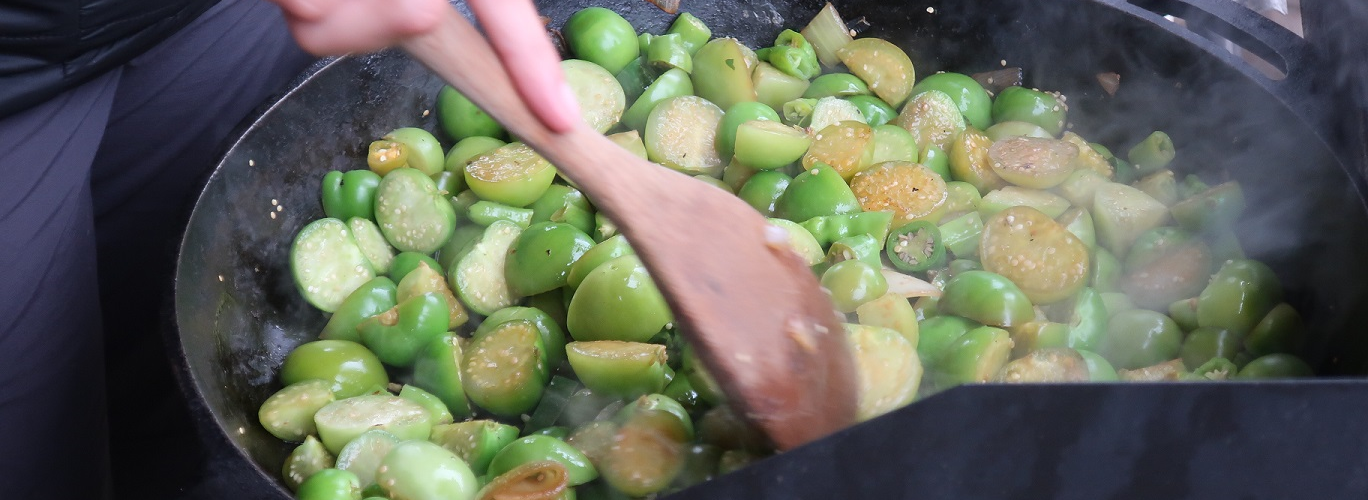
916 247
1153 153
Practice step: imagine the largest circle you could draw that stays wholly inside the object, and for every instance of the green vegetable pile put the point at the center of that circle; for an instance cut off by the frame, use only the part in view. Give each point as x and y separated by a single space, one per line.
490 335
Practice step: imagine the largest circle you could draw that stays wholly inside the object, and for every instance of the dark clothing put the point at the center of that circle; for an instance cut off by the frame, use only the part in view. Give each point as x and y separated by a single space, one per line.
98 184
50 46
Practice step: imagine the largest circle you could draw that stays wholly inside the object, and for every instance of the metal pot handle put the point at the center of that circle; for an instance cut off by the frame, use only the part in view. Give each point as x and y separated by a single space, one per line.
1305 87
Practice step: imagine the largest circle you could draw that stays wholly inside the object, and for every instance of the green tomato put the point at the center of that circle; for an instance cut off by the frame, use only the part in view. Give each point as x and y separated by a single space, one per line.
542 256
1138 338
973 101
423 151
419 470
538 447
513 175
462 119
852 283
739 113
603 37
986 297
330 484
1031 106
350 367
617 301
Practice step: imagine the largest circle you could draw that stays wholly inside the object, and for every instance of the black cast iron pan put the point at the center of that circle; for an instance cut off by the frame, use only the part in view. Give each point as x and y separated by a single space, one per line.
237 313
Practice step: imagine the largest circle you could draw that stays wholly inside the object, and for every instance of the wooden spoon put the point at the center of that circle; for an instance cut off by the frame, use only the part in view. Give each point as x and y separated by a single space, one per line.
752 310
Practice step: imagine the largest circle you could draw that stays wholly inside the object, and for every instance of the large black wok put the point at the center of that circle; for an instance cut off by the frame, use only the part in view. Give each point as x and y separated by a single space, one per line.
237 312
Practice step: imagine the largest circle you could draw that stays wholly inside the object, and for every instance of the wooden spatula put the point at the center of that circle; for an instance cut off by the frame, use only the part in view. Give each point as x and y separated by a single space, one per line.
753 311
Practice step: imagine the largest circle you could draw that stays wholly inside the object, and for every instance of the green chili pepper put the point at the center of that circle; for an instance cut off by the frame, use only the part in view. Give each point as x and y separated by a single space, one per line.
986 297
396 335
350 194
603 37
372 298
1152 154
793 54
858 247
1031 106
691 30
798 112
827 229
485 213
916 247
973 101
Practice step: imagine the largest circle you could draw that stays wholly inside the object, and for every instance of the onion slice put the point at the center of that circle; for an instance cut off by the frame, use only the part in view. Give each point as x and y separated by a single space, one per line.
908 286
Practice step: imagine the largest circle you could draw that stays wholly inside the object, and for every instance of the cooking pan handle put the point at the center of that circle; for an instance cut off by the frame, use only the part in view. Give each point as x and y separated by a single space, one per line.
1246 28
1305 88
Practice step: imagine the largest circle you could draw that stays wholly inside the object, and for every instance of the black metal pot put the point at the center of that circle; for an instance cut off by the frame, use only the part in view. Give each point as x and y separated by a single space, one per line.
237 312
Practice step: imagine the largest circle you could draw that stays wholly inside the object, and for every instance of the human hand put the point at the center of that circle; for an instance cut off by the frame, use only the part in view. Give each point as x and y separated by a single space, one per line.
336 27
